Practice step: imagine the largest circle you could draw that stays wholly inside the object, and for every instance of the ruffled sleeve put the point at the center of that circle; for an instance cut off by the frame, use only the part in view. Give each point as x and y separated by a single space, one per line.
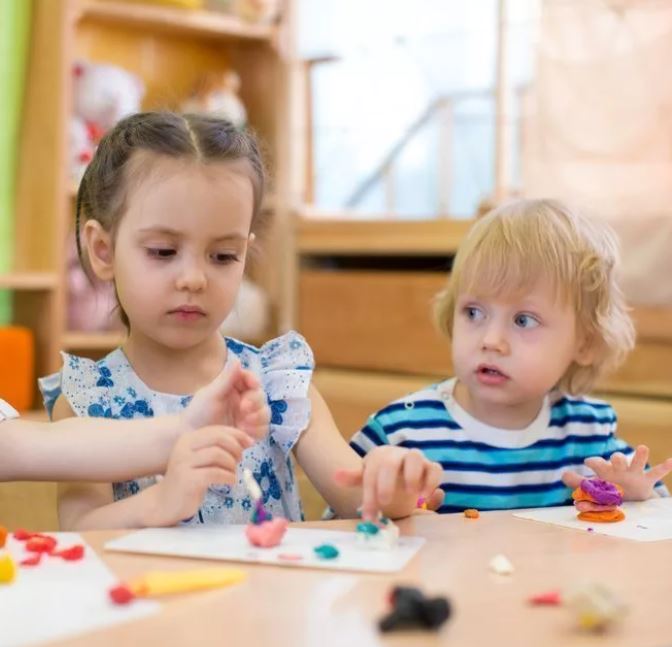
84 384
287 366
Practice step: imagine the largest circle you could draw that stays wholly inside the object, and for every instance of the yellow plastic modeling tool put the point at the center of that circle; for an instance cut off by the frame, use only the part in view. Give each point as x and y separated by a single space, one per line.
169 582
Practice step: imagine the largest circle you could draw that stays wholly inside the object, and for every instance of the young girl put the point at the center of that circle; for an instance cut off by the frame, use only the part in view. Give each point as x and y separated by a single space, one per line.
171 205
126 449
535 316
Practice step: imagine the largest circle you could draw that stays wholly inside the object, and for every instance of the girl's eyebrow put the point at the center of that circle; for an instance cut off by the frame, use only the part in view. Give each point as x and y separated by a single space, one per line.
176 234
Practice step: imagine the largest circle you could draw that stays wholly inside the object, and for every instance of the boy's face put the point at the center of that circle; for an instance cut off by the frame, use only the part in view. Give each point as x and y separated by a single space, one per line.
509 351
180 250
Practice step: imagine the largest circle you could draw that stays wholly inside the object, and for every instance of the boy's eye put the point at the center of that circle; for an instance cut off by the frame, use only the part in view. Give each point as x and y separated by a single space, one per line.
161 252
473 313
525 321
223 258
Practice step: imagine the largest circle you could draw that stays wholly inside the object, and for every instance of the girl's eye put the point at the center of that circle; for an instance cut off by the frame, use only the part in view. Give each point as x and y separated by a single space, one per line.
525 321
161 252
223 258
473 313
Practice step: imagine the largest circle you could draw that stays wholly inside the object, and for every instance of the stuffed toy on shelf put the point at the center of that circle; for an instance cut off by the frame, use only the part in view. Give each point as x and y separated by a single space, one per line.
216 93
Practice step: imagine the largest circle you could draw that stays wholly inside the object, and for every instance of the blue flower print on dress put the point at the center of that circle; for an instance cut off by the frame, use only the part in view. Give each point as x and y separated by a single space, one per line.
268 482
228 502
234 346
246 504
186 400
105 375
140 407
278 407
97 410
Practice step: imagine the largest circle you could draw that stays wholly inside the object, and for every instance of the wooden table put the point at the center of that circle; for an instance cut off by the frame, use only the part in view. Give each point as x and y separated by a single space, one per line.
279 606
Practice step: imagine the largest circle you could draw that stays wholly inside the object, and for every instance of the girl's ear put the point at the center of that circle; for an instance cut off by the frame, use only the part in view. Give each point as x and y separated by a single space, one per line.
99 250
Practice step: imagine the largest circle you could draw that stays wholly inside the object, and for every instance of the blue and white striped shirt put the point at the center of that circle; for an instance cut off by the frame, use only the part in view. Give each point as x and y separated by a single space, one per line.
494 469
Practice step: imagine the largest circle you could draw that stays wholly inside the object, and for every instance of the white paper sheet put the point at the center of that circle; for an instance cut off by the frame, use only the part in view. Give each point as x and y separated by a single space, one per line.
229 543
644 521
57 599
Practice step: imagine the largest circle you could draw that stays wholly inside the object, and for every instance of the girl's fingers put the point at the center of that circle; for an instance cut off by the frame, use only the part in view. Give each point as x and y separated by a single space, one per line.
388 474
369 490
433 476
214 476
348 478
435 500
215 457
639 459
413 470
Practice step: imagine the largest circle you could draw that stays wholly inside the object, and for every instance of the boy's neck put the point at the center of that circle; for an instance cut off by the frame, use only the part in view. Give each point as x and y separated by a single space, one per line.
502 416
180 371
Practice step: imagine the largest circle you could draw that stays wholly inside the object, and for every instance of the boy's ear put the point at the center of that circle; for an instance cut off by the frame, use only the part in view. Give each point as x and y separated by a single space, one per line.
586 351
99 250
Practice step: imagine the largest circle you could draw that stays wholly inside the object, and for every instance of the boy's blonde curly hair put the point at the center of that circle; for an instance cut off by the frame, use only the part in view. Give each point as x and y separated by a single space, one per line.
510 248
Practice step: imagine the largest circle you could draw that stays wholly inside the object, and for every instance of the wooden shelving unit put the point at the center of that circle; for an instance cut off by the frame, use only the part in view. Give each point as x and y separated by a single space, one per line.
169 49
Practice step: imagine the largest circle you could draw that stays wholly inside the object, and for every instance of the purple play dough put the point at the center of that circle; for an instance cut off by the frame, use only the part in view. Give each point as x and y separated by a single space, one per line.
602 492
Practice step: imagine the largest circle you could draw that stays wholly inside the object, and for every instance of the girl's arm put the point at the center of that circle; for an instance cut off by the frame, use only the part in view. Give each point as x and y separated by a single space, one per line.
119 450
199 458
68 449
389 479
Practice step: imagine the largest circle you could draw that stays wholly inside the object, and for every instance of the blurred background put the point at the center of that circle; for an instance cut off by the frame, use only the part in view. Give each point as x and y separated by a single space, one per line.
388 127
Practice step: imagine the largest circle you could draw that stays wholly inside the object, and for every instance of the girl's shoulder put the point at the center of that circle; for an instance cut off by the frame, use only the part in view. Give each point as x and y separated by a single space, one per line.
289 352
83 381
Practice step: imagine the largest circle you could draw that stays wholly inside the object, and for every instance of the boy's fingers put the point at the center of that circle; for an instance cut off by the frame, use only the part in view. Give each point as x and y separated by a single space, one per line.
639 459
598 465
619 461
660 471
572 479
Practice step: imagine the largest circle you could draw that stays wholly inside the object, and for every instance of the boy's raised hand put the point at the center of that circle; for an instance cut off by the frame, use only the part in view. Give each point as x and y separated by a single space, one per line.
209 455
234 398
637 484
392 480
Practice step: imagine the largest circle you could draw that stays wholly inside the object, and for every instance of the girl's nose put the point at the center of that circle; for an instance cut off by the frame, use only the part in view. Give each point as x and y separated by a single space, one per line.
192 278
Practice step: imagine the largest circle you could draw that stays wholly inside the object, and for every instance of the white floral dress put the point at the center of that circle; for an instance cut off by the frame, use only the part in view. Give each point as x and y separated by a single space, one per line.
110 388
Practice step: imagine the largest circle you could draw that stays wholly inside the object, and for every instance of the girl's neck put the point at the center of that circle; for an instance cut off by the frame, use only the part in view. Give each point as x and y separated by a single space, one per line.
180 371
502 416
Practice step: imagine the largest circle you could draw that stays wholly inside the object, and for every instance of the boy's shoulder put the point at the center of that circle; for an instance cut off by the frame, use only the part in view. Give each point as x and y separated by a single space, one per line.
580 409
427 401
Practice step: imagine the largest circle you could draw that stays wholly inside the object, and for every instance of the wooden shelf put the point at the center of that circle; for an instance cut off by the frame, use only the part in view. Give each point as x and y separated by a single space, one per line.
182 21
28 281
380 237
37 415
93 340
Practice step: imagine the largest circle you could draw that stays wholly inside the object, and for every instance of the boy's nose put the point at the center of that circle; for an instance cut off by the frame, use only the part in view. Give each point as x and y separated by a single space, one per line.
495 340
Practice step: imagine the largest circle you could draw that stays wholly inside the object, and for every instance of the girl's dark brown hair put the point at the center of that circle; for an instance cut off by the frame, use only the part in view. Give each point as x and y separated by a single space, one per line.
103 190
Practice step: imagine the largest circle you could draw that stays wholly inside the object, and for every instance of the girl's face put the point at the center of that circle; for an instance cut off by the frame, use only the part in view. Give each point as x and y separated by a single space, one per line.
180 249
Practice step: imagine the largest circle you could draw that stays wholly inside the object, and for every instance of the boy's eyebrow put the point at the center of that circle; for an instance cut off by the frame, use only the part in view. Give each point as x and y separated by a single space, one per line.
175 233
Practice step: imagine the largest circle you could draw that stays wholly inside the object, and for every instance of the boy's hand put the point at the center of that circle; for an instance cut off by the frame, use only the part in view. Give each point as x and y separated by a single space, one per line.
636 483
234 398
394 478
200 458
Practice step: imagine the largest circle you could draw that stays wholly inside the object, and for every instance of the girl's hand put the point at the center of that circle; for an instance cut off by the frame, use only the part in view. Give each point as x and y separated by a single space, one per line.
200 458
636 483
392 480
234 398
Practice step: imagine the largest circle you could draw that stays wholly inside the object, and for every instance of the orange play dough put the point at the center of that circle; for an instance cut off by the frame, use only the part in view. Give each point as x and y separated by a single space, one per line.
606 516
